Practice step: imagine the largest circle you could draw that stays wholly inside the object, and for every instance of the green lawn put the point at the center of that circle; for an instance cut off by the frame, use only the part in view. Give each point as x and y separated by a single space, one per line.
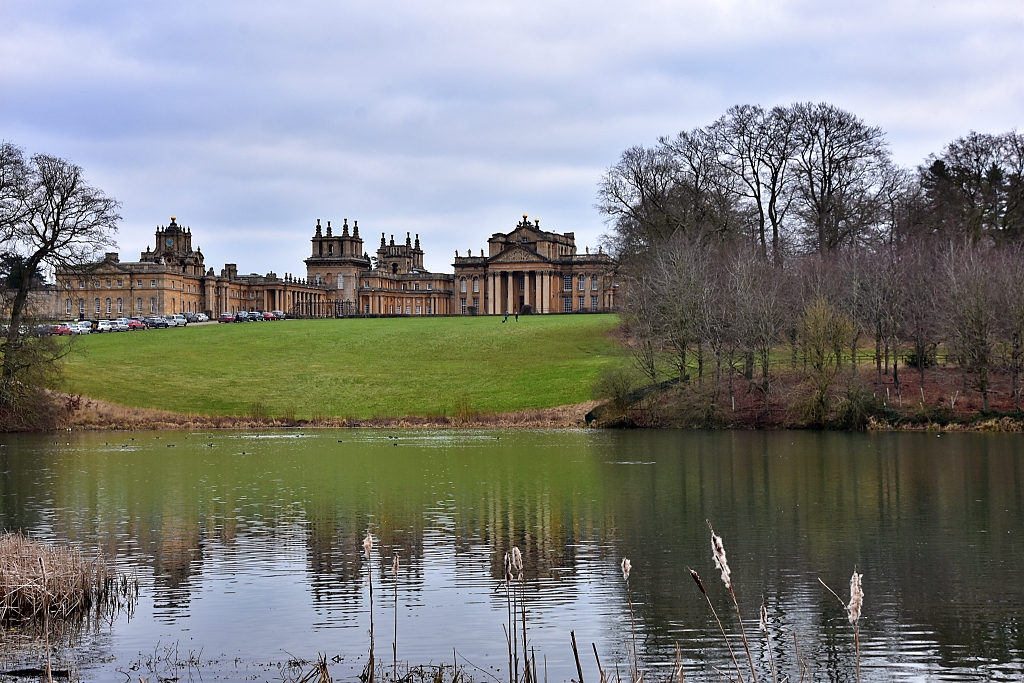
349 368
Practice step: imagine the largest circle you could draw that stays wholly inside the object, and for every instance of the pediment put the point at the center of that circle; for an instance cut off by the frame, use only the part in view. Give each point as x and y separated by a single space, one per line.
517 255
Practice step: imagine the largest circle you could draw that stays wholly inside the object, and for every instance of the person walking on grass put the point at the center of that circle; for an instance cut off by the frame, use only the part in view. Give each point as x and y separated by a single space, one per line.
505 319
517 316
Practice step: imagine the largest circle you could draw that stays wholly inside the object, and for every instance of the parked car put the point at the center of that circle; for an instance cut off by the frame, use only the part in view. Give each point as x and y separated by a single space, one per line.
104 326
63 329
157 322
226 318
136 324
84 327
176 320
267 315
256 316
121 325
280 315
241 317
202 317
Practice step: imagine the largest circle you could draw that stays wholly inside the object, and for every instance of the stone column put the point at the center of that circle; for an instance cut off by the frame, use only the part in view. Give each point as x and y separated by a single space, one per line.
508 299
489 293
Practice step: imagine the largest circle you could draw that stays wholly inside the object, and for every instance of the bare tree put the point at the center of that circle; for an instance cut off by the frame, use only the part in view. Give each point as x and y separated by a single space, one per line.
970 312
53 218
1010 298
756 148
838 168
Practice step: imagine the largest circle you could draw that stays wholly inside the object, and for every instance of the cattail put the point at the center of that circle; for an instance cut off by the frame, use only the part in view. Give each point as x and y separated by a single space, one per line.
367 545
517 563
626 566
856 597
394 564
764 618
718 549
508 567
700 584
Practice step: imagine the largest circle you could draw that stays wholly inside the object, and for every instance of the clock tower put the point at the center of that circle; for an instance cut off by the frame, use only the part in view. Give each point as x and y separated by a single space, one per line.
173 247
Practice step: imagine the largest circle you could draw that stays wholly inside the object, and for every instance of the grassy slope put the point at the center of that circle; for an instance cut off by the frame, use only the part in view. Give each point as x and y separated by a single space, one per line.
349 368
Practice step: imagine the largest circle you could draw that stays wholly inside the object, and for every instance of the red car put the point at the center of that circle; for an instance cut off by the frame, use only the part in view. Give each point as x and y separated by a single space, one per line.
62 329
134 324
226 318
269 316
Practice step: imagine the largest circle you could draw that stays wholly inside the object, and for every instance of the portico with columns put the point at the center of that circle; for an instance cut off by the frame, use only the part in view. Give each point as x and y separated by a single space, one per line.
532 270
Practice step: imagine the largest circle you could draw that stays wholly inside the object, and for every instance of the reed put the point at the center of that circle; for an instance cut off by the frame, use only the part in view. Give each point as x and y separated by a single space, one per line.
718 551
367 549
42 583
634 672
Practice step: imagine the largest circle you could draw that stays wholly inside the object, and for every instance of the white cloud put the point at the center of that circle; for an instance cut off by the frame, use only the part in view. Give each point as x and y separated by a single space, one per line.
250 120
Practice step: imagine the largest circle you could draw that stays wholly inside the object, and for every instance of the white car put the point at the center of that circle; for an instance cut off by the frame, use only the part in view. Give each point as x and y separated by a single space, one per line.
176 320
120 325
81 327
105 326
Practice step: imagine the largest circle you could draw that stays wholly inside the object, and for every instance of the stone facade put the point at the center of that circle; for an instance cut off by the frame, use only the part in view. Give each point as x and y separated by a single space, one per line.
532 270
526 270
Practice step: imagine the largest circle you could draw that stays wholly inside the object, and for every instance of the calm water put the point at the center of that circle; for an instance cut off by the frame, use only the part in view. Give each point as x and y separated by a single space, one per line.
248 546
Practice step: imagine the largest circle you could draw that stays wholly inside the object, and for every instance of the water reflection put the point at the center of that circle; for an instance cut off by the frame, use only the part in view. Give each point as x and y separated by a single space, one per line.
263 532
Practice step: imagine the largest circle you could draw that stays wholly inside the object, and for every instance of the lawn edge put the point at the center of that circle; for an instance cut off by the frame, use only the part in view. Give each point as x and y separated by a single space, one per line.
92 414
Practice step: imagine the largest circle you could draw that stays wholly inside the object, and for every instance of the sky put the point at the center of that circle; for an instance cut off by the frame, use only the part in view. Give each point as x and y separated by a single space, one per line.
251 120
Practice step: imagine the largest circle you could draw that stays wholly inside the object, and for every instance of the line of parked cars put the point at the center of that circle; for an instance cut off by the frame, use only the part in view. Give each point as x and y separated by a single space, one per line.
123 324
250 316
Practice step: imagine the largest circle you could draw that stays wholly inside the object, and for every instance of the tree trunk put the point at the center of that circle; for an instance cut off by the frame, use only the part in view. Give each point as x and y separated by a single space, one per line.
878 353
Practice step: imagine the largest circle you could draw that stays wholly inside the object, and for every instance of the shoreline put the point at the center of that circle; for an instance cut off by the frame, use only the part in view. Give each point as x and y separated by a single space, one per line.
93 414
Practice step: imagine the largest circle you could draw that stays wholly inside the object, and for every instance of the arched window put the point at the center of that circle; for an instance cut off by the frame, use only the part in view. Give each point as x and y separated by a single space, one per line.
476 285
593 282
97 306
341 281
67 307
583 283
120 310
462 285
152 305
330 250
81 306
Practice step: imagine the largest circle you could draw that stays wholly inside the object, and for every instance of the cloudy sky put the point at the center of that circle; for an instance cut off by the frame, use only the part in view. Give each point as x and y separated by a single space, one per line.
250 120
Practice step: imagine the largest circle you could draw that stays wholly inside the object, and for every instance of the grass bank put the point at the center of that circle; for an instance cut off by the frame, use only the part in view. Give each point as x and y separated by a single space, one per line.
353 368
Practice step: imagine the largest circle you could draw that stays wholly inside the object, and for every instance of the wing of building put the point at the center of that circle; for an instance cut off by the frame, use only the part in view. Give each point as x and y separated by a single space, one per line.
526 270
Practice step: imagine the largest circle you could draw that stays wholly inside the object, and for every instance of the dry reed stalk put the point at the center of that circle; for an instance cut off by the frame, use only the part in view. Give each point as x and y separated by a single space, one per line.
395 563
635 669
367 548
718 550
768 639
700 584
852 610
40 582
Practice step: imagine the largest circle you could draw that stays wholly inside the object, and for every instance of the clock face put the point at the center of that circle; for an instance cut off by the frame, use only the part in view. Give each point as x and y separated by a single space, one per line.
170 242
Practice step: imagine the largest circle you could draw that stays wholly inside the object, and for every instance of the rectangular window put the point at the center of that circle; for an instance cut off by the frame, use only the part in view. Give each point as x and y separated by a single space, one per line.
476 303
81 284
67 307
522 282
419 310
367 309
581 308
567 303
567 283
120 283
138 283
152 283
428 309
97 306
152 305
463 305
81 307
430 286
341 282
138 304
108 283
593 304
408 310
416 286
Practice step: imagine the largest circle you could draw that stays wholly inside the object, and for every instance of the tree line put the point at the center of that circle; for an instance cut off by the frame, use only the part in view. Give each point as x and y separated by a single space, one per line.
788 238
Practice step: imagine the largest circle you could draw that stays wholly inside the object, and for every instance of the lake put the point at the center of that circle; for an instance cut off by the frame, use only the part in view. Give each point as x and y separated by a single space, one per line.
248 548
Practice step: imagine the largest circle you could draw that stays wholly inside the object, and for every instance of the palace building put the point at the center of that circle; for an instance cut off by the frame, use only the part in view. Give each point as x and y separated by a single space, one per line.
527 270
